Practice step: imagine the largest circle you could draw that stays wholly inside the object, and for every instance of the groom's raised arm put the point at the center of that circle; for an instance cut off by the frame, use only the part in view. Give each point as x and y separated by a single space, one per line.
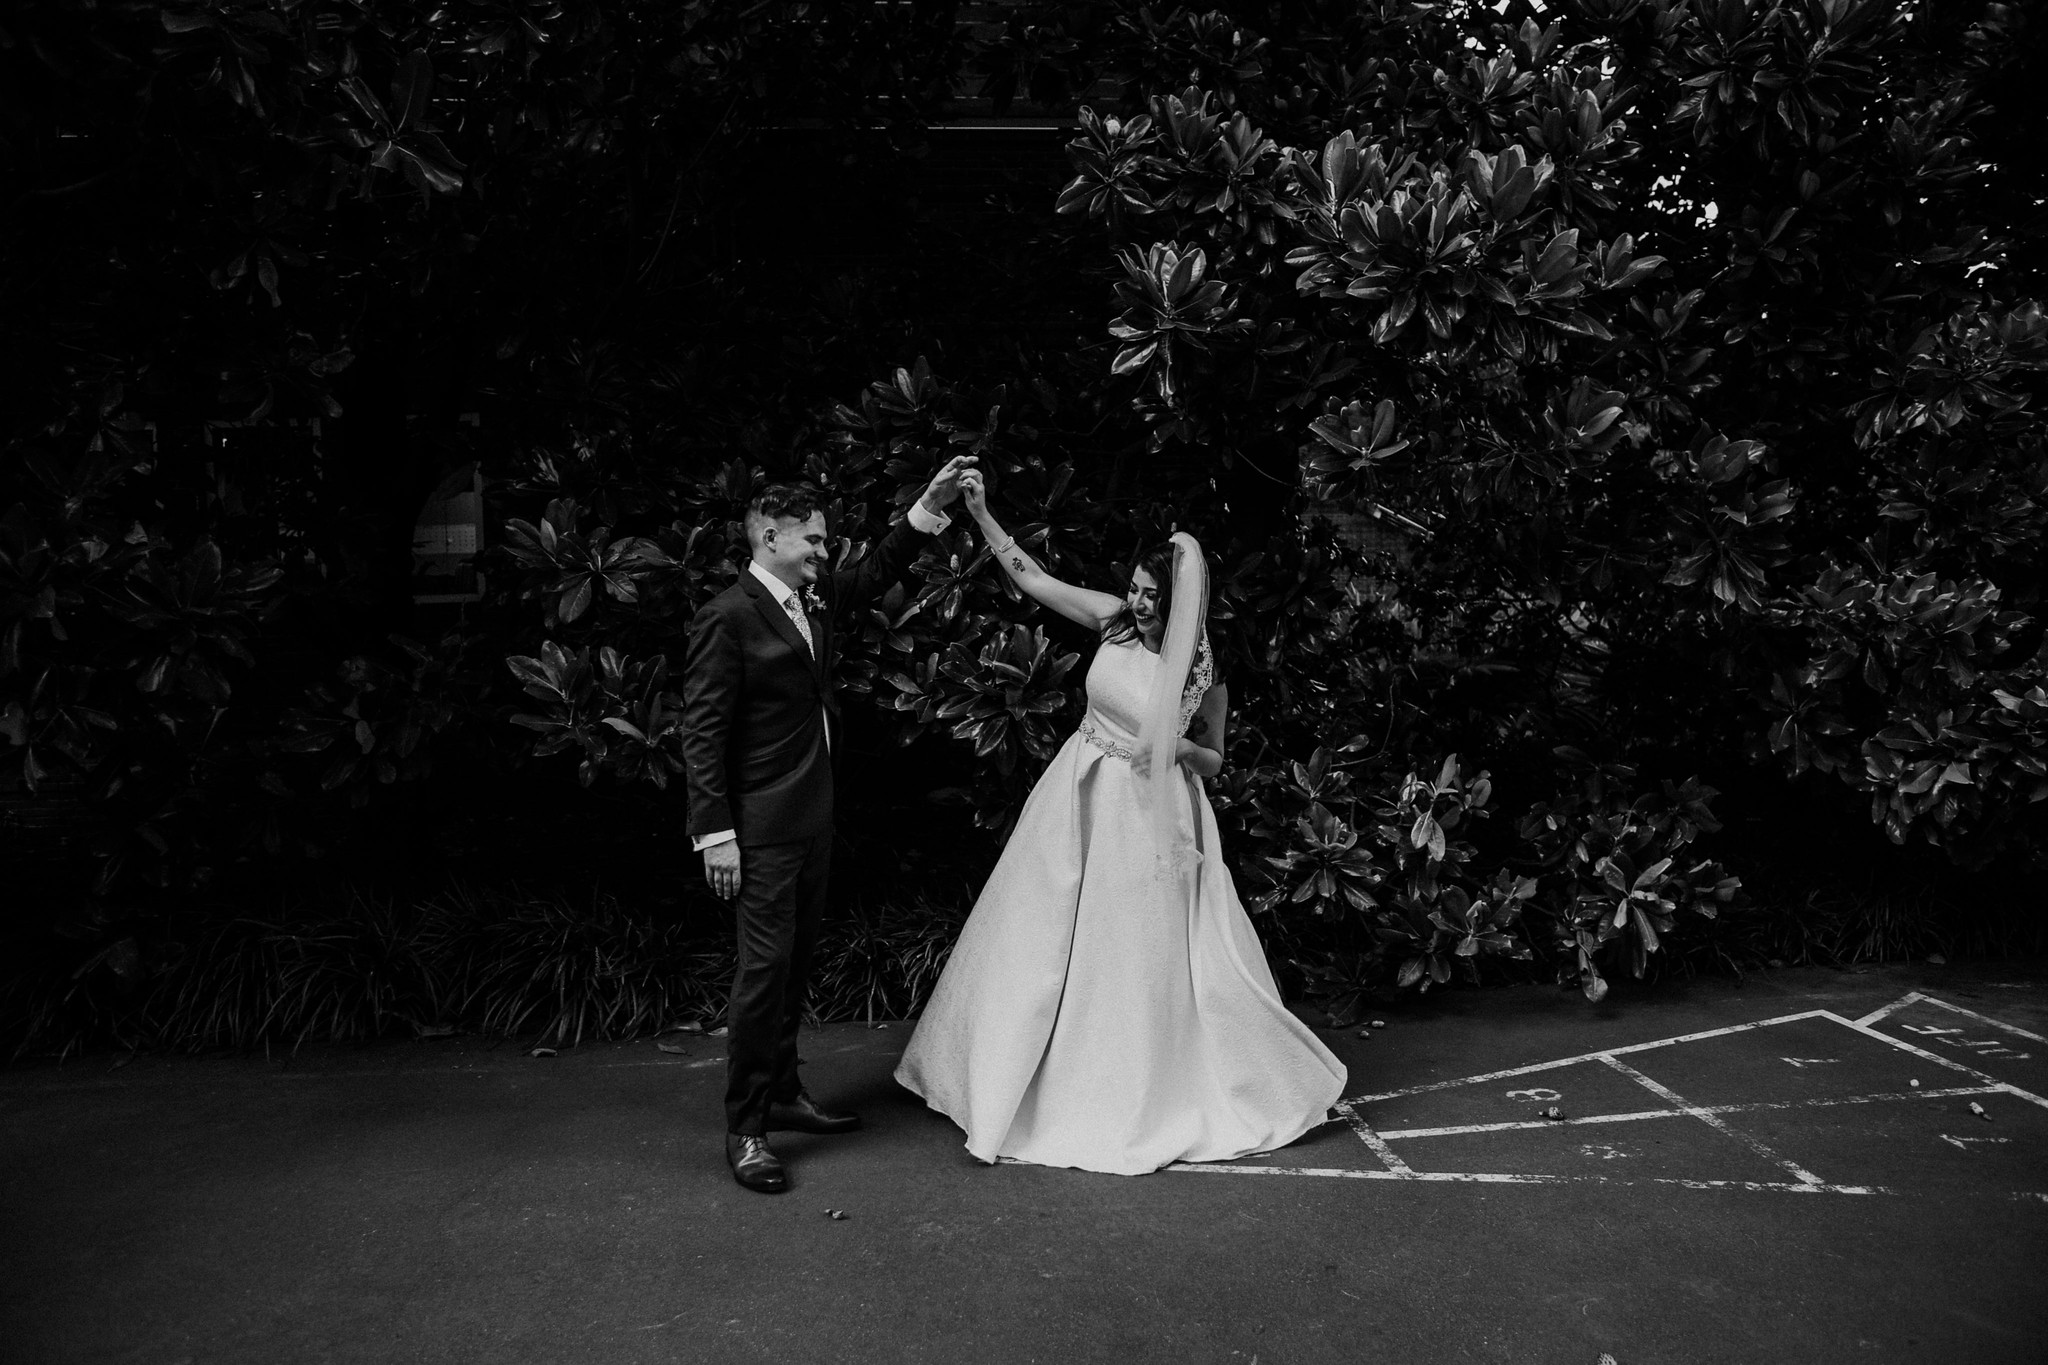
891 558
711 693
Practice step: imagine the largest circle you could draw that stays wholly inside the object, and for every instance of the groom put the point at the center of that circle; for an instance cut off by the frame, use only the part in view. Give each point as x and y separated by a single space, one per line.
759 725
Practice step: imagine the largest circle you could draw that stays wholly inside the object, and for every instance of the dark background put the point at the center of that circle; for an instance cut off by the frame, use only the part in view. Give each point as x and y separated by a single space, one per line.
274 273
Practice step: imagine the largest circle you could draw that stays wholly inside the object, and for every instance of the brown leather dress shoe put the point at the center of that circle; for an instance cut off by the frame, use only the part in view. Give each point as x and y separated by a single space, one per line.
753 1165
802 1115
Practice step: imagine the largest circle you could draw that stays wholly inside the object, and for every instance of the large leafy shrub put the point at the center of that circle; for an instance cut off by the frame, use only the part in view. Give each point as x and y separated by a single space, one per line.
1692 352
1680 334
279 247
1687 353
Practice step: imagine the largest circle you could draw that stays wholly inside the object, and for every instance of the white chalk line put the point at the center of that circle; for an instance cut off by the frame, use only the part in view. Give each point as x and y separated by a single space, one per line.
1886 1011
1805 1182
1401 1134
1939 1060
1670 1096
2013 1029
1394 1164
1500 1178
1600 1056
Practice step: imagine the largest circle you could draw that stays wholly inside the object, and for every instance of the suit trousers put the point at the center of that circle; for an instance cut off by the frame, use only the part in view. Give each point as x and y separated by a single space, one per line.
781 901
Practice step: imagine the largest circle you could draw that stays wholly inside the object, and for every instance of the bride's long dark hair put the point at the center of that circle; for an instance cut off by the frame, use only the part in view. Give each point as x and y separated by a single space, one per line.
1158 562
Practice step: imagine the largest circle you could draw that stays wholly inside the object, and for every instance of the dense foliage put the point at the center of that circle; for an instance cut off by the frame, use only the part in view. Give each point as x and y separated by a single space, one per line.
1686 350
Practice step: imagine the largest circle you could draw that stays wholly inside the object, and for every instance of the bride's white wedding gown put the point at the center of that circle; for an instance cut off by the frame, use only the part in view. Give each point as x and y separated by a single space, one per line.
1096 1015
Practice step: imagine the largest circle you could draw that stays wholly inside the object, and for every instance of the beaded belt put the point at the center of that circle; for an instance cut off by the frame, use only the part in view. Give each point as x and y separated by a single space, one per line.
1104 743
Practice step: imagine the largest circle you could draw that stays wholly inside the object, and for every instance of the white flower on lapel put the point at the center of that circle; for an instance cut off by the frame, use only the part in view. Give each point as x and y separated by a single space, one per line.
812 602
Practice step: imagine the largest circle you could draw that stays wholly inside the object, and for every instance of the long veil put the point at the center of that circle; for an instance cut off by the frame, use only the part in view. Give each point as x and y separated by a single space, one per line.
1159 738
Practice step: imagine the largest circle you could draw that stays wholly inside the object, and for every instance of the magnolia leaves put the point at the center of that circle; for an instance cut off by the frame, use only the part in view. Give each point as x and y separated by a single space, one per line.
1353 442
1003 699
1390 860
1507 184
1186 158
396 137
251 48
1609 856
1445 260
620 715
1167 299
582 566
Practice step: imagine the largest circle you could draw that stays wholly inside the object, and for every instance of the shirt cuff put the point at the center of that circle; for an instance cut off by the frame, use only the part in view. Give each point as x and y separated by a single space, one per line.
700 842
931 523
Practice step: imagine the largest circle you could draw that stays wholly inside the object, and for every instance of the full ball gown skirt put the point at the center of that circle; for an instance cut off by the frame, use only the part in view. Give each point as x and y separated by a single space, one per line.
1096 1015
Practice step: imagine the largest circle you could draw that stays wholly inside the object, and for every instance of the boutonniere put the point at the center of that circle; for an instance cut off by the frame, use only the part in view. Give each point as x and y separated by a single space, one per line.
812 602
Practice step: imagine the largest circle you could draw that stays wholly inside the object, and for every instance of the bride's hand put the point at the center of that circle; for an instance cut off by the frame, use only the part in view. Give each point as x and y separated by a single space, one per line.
945 485
1141 758
975 491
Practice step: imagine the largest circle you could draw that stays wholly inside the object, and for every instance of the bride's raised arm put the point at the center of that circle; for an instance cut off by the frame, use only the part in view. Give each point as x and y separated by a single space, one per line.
1084 606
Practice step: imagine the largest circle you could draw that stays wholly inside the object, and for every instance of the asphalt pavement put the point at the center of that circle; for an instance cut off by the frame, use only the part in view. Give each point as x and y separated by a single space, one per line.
1831 1166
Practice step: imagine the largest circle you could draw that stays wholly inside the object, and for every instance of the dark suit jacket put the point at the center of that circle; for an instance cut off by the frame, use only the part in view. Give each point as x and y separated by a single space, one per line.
756 703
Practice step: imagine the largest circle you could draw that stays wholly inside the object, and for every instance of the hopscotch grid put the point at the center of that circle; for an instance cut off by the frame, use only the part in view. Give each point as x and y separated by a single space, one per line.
1807 1182
1665 1092
1752 1107
1939 1060
1599 1056
1986 1019
1513 1178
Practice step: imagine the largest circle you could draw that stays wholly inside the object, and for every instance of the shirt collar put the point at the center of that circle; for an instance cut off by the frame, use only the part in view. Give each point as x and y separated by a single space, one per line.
779 589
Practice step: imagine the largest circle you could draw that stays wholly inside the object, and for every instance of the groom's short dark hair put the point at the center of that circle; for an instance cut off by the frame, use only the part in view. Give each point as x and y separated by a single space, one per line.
796 501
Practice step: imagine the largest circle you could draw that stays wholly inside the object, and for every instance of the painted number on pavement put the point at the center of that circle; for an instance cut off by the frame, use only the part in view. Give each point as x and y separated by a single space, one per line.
1953 1037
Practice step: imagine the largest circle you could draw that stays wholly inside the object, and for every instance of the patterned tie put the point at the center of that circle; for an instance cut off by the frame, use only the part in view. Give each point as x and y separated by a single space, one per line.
794 605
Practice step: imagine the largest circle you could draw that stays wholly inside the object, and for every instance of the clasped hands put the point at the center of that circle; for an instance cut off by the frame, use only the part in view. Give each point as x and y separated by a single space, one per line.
974 487
944 489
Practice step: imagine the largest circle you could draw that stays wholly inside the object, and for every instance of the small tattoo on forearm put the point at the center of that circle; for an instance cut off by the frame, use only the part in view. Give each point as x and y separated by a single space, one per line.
1017 563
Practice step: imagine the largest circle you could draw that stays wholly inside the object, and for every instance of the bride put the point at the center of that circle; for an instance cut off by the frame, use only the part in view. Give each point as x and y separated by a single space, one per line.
1108 1005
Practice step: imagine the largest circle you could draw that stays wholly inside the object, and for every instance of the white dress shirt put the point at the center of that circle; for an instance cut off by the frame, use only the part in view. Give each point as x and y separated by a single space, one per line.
922 519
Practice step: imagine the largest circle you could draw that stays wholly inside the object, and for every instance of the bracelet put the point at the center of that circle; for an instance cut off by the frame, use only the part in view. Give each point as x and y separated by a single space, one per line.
1003 548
